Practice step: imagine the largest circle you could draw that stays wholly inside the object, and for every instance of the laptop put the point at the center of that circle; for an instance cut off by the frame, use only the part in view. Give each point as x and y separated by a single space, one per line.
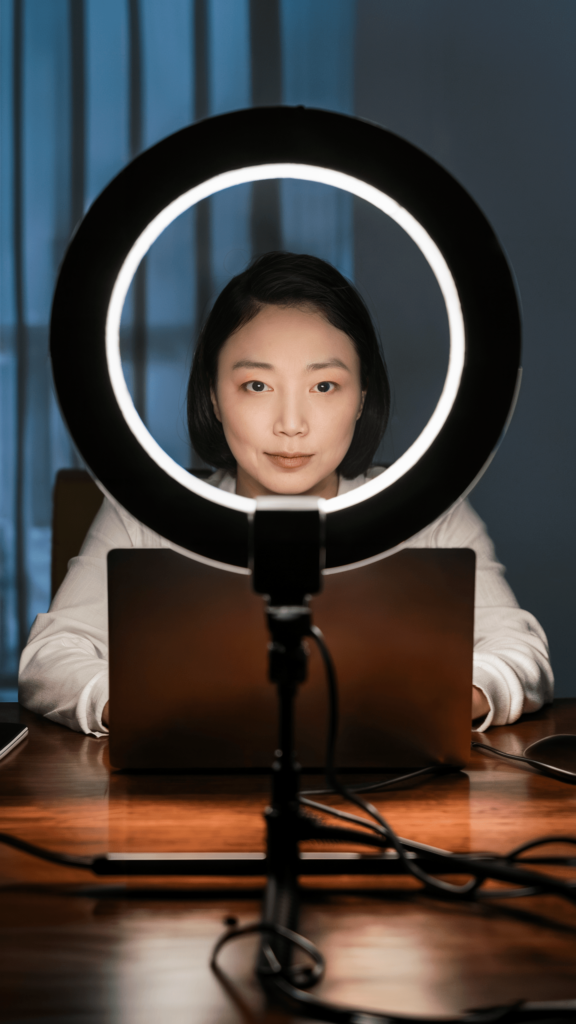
188 665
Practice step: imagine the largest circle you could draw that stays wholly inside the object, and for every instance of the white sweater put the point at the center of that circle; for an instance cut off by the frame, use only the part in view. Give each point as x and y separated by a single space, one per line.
64 666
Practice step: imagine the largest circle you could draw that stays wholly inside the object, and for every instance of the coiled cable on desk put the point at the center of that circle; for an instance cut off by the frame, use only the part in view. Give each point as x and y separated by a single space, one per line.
282 980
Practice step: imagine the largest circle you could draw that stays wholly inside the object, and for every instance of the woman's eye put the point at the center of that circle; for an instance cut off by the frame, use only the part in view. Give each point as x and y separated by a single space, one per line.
256 385
324 386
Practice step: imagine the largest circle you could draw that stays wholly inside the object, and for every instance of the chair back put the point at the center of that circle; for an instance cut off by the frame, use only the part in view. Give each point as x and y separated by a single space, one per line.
76 501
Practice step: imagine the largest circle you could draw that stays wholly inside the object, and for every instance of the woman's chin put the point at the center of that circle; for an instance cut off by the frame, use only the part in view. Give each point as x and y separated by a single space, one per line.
290 487
290 481
270 479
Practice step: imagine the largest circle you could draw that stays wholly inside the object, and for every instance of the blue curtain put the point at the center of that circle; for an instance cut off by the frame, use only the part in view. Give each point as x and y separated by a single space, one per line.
85 86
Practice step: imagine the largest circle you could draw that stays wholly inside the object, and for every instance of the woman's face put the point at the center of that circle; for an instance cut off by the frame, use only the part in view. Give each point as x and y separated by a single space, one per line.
288 395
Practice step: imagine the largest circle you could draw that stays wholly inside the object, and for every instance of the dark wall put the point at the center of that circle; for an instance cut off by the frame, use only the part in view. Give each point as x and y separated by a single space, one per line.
488 88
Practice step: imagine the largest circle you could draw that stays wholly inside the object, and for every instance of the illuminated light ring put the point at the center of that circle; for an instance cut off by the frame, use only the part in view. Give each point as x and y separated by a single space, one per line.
324 176
450 230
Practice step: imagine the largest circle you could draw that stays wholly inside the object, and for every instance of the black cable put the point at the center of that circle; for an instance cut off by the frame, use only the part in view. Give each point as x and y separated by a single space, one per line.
433 770
87 863
401 845
408 844
509 894
514 856
333 731
50 855
543 841
283 977
543 769
279 979
436 884
412 846
301 974
344 815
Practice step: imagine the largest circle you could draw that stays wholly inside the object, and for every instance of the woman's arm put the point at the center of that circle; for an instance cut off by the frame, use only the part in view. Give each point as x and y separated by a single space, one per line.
64 666
512 670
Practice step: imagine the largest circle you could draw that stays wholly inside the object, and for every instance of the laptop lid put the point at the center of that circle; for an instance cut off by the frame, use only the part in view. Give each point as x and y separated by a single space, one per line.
188 664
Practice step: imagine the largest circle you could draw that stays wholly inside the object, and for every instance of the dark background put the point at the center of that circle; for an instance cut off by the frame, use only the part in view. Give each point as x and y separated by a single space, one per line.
488 89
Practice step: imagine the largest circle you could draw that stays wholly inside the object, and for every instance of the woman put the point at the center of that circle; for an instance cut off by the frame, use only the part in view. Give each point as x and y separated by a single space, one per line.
288 394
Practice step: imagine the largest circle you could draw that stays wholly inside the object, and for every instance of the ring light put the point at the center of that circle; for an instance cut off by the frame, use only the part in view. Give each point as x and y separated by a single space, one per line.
449 229
327 177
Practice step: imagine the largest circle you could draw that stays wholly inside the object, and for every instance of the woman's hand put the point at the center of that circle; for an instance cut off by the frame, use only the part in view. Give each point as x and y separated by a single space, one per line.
480 705
105 714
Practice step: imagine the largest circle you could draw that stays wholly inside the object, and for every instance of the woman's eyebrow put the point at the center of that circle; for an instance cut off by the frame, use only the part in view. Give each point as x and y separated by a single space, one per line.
249 364
325 365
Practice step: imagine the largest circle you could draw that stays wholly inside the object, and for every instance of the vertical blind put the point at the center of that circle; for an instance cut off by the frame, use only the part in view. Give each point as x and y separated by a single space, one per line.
85 86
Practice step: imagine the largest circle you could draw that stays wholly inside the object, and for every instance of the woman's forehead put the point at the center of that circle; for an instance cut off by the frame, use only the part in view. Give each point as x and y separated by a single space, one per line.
278 334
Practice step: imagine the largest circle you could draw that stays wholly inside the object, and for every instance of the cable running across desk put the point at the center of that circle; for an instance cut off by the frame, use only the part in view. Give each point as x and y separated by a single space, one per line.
544 769
480 867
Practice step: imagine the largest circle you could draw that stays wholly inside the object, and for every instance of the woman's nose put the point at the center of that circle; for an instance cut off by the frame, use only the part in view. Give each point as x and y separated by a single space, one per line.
290 419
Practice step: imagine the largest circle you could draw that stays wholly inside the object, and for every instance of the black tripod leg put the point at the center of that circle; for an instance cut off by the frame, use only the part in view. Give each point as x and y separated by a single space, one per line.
282 820
281 896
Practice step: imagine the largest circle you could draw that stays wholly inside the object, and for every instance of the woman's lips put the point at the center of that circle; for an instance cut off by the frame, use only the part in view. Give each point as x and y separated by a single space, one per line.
288 460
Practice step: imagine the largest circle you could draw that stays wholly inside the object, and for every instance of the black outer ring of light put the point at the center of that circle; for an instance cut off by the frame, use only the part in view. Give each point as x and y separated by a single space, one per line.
292 135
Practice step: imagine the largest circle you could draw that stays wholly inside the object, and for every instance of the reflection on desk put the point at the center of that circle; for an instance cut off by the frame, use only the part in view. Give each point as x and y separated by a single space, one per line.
138 950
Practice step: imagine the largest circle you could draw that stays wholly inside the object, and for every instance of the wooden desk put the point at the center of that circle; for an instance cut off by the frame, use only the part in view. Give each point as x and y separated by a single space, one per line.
75 948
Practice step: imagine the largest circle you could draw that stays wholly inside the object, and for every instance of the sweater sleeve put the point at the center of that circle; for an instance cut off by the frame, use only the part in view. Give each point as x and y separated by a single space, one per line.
511 657
64 666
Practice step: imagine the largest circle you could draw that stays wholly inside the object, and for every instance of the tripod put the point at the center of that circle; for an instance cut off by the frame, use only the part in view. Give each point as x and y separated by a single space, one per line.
285 823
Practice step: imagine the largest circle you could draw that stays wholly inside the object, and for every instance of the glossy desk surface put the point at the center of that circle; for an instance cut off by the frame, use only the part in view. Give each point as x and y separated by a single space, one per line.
75 948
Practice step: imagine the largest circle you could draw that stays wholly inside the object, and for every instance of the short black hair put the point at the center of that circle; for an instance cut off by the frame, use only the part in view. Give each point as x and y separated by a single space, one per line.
287 279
